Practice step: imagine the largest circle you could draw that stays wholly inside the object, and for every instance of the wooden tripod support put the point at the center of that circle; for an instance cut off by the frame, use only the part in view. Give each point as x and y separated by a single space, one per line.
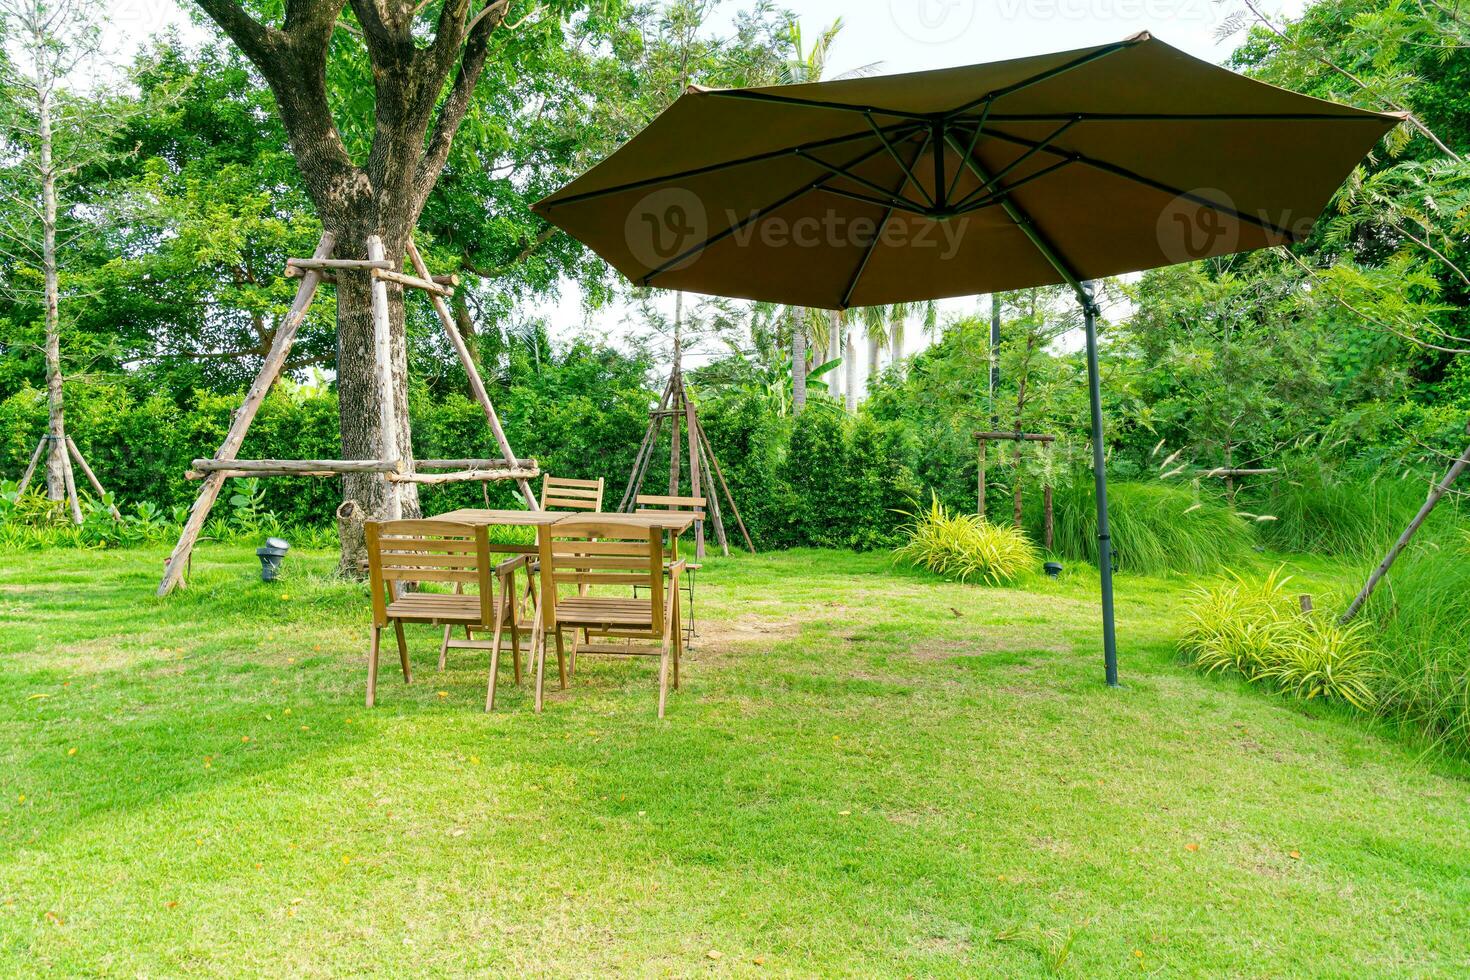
321 267
70 453
675 404
984 439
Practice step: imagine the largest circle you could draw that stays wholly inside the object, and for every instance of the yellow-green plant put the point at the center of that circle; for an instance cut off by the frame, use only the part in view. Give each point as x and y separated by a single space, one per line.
1256 630
965 546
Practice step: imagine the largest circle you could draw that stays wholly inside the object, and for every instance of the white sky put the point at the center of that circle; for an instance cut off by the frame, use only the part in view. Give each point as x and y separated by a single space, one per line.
897 36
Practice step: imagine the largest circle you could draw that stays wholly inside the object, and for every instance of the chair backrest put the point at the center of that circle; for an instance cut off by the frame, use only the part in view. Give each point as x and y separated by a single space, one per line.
648 503
592 552
562 493
427 551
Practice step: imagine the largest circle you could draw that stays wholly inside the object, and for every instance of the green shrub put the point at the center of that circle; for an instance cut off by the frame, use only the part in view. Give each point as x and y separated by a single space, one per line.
1422 615
966 546
1257 631
1326 511
1156 527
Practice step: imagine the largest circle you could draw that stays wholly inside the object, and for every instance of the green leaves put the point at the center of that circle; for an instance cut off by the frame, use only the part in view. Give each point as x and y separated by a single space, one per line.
966 546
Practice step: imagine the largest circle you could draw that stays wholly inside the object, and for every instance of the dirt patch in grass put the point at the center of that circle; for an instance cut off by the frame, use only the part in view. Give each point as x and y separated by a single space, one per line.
986 640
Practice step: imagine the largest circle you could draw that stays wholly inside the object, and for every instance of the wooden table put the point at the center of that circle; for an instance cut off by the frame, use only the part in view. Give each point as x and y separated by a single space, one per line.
676 522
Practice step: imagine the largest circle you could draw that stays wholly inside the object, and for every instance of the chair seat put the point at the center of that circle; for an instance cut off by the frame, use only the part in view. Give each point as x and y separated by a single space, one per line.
435 607
604 611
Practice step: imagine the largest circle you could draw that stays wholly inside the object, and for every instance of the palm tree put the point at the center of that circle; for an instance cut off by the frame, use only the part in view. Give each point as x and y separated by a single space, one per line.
875 328
809 65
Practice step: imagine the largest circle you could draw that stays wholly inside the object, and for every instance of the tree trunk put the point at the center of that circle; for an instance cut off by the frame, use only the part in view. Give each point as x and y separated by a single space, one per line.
56 423
849 367
358 391
875 355
834 347
798 365
895 339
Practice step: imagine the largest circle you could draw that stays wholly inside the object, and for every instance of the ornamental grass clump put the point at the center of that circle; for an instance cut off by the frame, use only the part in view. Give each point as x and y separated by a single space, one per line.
1258 631
966 546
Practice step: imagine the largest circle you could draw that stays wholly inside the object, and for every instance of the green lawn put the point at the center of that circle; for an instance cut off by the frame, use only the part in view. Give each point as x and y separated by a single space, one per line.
868 772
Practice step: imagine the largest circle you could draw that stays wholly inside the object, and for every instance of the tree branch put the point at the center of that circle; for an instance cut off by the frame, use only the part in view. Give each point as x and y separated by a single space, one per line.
452 112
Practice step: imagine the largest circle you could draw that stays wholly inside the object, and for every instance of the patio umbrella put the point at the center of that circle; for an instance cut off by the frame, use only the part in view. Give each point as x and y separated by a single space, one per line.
1059 168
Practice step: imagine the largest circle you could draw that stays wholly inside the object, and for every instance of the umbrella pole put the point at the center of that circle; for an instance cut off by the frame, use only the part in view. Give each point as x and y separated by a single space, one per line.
1100 477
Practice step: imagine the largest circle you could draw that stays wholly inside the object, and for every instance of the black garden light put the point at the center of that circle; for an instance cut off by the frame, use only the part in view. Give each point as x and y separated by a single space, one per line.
271 555
1053 569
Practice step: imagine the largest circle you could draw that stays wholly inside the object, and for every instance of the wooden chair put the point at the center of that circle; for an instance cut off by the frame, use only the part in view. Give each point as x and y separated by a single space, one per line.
591 553
562 493
655 504
432 551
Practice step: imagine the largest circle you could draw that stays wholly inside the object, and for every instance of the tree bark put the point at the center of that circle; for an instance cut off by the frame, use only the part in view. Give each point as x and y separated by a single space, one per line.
798 364
849 366
895 339
56 421
875 356
834 346
422 91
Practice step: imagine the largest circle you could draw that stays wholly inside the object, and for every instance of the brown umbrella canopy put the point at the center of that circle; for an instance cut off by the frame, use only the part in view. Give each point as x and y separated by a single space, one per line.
1060 167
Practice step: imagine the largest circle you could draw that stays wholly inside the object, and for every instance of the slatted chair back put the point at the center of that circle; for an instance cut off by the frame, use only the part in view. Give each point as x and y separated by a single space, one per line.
427 551
587 554
648 503
564 493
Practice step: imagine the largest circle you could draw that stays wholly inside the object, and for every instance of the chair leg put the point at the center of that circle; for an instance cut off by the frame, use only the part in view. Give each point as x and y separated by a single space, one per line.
561 657
663 679
538 656
402 650
572 655
444 647
372 688
494 652
678 634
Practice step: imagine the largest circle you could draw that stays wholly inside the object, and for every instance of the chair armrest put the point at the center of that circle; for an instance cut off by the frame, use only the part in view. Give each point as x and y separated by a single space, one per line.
510 564
677 569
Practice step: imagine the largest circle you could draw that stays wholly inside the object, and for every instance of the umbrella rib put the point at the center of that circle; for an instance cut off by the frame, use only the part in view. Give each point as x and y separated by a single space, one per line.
1044 76
753 95
995 198
1181 117
862 266
888 196
908 171
1027 226
1001 174
751 218
1158 185
974 138
901 129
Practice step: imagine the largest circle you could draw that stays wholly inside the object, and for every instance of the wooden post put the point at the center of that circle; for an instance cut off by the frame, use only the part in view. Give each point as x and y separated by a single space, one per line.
275 359
91 477
980 482
714 502
1047 524
674 440
1435 494
25 480
383 351
477 385
70 480
645 449
693 470
720 475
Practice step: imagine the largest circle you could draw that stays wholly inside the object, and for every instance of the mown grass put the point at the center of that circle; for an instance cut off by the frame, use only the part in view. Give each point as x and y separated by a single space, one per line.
868 773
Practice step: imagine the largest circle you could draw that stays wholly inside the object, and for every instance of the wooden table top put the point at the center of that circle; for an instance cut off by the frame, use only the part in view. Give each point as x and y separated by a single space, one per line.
675 521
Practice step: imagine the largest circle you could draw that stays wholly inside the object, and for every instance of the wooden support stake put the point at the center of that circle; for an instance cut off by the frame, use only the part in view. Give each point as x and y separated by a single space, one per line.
315 264
720 474
640 462
275 359
475 464
69 478
674 441
714 501
472 373
463 476
694 491
279 467
25 480
387 405
411 282
91 477
1435 494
